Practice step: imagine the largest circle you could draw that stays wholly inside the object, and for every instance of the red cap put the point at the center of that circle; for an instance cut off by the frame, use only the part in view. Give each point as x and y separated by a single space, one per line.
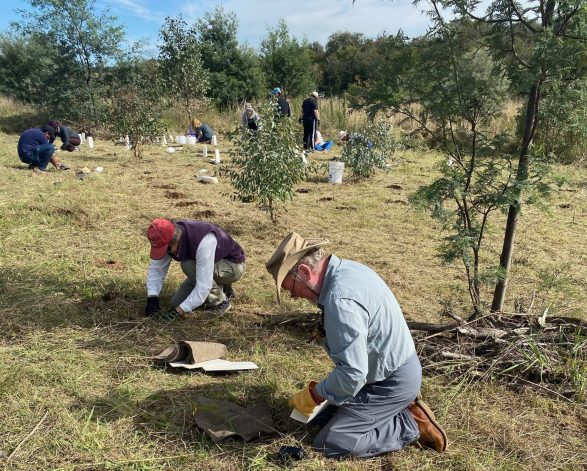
160 234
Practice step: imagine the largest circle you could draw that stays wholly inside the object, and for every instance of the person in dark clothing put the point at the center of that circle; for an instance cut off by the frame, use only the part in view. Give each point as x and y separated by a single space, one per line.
210 258
34 148
310 119
202 131
282 102
69 138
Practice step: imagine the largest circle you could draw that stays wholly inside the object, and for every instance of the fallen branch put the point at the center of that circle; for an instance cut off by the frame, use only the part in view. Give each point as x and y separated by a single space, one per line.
454 317
512 347
426 327
482 332
457 356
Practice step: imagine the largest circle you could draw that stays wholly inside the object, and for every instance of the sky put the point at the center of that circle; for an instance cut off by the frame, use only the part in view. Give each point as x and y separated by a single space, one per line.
313 20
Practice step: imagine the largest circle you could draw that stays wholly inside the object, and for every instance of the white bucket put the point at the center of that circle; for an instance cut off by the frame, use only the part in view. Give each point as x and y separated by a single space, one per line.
192 140
205 152
335 171
90 142
214 140
180 139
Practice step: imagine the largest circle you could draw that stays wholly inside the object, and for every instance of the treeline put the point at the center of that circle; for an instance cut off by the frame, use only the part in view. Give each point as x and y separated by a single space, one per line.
71 61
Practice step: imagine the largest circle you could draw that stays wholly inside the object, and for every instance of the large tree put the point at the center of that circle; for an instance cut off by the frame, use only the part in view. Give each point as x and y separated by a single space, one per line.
235 73
84 42
343 61
25 73
287 62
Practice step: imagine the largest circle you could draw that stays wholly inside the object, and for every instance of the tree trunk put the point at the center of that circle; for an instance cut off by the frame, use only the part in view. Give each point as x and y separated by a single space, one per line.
507 250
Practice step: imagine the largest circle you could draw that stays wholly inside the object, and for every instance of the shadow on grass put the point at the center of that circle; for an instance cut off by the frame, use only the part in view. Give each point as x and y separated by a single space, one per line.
170 414
111 314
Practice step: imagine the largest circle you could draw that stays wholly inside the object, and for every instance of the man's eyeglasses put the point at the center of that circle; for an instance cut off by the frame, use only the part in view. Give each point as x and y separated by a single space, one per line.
294 275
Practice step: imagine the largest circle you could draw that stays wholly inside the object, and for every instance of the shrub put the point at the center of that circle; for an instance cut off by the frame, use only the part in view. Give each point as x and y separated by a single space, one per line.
368 150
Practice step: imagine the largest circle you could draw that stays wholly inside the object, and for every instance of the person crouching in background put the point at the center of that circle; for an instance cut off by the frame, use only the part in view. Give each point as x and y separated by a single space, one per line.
69 138
35 148
201 130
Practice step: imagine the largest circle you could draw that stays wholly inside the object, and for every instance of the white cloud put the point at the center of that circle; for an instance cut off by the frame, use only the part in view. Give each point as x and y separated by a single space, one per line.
138 8
316 20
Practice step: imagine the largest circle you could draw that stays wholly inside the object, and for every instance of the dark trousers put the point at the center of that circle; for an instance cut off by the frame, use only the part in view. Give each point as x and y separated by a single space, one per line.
376 420
73 143
39 156
309 132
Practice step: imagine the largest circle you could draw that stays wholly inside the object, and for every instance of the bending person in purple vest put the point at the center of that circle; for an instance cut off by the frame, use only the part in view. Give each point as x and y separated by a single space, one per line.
210 258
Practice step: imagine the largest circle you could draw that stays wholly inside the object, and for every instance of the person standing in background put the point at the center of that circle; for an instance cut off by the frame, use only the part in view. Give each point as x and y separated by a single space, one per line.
282 102
310 119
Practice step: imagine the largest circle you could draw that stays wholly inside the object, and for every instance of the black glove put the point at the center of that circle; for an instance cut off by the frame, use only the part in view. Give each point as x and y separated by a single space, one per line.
167 315
152 305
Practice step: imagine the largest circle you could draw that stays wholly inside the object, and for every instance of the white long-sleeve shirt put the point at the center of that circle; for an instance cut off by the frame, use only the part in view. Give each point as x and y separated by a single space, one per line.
158 269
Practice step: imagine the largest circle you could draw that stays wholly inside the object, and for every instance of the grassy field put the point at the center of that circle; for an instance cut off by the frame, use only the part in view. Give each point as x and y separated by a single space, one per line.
75 347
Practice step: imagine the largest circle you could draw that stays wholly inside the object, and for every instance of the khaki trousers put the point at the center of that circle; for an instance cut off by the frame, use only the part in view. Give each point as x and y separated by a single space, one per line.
225 273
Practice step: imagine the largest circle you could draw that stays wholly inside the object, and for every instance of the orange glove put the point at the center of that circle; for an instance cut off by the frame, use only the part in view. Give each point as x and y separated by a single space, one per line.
306 399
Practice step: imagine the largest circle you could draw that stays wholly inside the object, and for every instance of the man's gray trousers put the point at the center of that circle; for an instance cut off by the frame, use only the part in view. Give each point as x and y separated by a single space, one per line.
376 420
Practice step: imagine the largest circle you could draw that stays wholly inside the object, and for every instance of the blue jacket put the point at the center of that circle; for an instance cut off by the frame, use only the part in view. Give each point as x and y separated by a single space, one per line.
206 131
367 337
64 134
30 139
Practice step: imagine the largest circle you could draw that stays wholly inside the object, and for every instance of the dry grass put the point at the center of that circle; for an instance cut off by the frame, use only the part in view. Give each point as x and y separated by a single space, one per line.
74 342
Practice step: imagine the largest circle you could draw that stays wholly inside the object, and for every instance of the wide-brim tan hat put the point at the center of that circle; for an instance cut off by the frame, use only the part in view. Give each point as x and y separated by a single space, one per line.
289 252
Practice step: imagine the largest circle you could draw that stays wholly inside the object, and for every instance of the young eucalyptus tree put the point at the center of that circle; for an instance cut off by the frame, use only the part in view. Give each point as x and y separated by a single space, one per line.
268 162
369 150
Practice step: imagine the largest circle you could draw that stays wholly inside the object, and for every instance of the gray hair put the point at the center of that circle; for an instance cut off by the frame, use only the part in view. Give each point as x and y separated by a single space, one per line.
311 259
177 232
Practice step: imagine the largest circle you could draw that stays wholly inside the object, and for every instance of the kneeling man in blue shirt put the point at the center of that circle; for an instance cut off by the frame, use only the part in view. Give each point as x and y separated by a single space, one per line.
373 388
